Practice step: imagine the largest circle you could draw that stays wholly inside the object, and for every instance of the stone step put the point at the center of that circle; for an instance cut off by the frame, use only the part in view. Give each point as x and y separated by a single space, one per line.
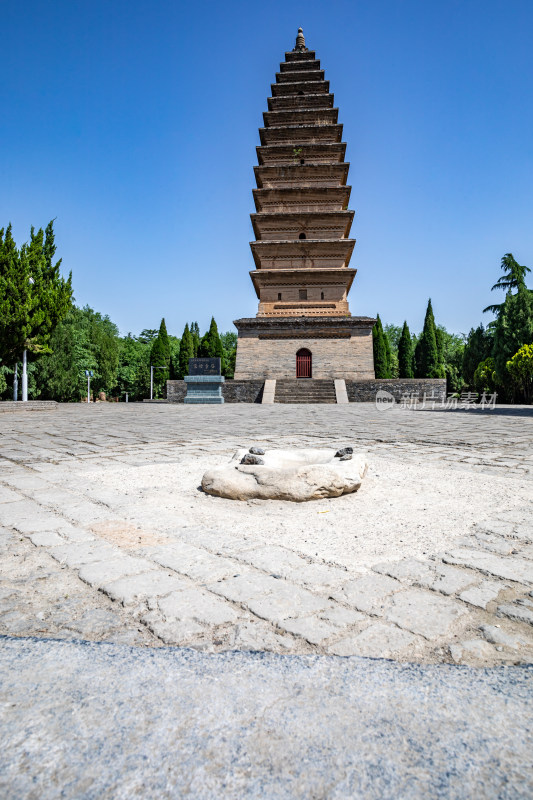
305 390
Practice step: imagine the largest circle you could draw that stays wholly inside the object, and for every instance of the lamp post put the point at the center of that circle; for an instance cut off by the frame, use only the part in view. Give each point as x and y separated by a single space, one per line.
24 377
25 364
16 383
89 374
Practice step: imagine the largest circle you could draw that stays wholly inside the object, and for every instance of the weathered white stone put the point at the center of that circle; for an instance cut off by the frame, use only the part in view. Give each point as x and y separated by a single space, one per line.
197 605
177 632
269 598
514 569
195 562
296 475
377 641
471 649
496 635
483 594
139 587
367 593
342 617
433 575
78 554
46 539
99 573
425 613
517 613
313 630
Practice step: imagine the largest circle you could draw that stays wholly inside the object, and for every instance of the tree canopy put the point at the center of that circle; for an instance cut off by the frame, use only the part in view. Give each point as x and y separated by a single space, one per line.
34 297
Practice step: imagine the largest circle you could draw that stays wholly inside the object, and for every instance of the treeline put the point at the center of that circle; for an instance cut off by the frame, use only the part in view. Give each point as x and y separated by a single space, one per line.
87 340
498 358
62 341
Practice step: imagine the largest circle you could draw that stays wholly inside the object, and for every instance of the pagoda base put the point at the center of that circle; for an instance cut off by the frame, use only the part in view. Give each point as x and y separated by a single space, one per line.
340 347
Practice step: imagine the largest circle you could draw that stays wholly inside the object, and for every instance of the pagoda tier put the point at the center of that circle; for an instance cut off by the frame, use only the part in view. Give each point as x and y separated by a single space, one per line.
323 153
290 176
309 198
301 116
314 225
291 101
302 254
300 86
280 293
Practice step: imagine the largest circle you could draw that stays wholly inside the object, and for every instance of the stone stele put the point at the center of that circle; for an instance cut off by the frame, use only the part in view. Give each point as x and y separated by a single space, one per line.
296 475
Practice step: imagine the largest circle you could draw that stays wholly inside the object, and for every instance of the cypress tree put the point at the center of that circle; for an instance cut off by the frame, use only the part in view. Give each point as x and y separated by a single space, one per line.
211 346
186 352
163 336
160 360
381 366
195 337
388 353
405 353
427 354
478 348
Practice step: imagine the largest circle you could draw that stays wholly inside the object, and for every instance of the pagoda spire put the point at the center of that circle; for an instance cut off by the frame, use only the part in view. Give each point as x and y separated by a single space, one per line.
300 42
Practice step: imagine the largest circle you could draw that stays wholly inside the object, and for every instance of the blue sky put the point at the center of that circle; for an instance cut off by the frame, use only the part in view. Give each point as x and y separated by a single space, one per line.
135 124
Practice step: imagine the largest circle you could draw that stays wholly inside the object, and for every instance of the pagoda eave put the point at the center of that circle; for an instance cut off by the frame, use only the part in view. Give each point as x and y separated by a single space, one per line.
292 174
302 253
339 221
321 153
306 87
290 101
264 278
300 116
300 55
300 134
302 199
300 76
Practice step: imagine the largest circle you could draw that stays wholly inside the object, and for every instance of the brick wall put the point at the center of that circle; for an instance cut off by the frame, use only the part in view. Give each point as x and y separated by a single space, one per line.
349 358
232 391
365 391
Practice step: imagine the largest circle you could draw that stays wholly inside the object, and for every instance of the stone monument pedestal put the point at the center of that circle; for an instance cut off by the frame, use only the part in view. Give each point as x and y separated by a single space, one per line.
204 381
204 389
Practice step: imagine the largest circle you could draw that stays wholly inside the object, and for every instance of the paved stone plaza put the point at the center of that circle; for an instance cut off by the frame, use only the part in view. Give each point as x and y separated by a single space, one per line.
106 537
123 562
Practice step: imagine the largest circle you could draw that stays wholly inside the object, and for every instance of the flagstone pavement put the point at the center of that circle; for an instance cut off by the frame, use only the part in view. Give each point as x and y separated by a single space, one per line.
64 576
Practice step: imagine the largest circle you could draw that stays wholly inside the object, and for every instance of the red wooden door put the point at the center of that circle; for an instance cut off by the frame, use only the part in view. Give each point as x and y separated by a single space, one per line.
304 367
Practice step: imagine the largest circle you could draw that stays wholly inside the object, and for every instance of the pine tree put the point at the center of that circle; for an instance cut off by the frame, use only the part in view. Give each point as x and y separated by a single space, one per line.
514 277
428 365
405 353
513 329
186 352
33 295
381 365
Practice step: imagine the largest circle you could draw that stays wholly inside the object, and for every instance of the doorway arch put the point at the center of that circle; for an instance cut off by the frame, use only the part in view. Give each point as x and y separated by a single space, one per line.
304 363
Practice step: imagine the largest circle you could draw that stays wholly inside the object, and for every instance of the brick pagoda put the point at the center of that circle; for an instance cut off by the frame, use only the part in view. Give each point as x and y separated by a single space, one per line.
302 246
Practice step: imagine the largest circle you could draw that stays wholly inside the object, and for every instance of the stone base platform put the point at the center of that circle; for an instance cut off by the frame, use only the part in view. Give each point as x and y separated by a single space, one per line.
29 405
362 391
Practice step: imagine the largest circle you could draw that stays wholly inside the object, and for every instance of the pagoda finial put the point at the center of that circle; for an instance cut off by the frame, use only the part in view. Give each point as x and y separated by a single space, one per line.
300 42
